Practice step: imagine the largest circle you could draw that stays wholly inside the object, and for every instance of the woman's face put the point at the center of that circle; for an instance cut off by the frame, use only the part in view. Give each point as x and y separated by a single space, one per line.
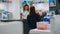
26 7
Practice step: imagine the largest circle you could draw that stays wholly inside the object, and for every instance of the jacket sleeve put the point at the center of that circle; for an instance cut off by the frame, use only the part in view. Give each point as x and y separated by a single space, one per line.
38 18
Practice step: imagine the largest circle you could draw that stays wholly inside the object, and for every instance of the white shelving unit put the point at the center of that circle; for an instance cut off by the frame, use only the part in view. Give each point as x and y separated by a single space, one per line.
13 7
57 24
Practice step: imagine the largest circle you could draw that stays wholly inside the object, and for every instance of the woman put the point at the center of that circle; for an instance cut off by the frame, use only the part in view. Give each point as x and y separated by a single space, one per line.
32 18
24 17
25 11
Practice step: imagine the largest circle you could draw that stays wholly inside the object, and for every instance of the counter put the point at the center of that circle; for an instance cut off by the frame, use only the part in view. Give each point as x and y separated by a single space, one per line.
36 31
12 27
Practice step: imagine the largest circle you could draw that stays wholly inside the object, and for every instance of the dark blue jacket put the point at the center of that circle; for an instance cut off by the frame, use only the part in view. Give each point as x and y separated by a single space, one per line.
32 19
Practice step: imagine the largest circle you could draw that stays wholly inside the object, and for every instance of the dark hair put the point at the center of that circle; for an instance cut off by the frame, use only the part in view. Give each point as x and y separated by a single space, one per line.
32 10
25 6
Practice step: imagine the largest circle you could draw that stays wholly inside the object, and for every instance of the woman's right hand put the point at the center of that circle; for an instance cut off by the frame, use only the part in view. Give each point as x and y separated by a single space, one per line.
40 13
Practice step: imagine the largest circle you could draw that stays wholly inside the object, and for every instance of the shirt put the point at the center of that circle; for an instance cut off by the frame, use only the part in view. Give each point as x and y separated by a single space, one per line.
25 13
